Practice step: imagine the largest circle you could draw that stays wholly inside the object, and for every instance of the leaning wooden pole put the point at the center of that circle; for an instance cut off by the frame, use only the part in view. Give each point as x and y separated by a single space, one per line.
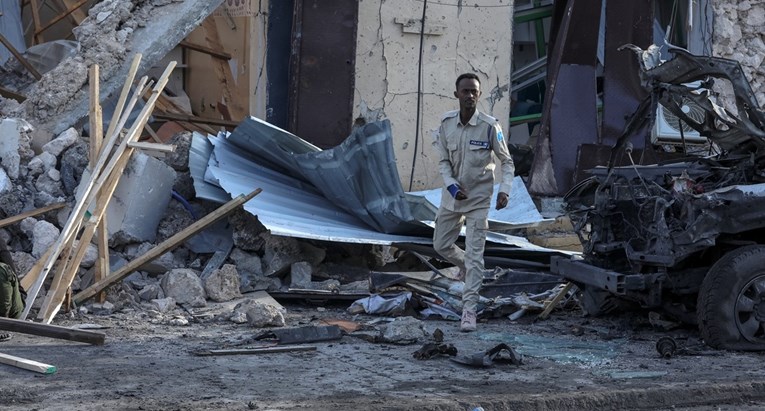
112 171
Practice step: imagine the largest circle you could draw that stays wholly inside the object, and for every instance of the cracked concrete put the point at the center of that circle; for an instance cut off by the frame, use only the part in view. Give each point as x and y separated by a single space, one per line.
387 64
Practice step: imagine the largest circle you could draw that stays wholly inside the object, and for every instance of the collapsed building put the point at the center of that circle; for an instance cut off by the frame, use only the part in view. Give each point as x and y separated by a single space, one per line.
304 233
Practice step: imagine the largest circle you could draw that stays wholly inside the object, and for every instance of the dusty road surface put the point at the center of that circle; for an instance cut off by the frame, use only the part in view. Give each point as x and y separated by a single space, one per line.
569 362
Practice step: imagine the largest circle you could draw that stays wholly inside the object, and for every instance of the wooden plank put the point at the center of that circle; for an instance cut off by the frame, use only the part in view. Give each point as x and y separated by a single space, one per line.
222 69
93 187
124 94
77 15
37 38
64 277
36 74
206 50
153 134
165 246
197 120
163 148
554 302
251 351
95 115
12 95
30 365
96 146
108 183
52 331
15 219
60 17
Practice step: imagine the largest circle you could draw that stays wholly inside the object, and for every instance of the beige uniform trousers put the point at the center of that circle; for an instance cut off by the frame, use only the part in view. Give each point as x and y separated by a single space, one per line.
448 226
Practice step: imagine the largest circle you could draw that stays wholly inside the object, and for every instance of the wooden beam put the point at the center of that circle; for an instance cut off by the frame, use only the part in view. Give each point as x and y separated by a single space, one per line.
554 302
264 350
96 146
163 148
60 17
37 38
222 69
93 187
206 50
12 94
106 185
10 220
77 15
36 74
123 95
195 119
166 246
30 365
52 331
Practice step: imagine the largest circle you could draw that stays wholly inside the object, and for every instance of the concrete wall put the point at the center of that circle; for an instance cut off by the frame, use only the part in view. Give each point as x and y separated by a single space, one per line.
738 35
460 37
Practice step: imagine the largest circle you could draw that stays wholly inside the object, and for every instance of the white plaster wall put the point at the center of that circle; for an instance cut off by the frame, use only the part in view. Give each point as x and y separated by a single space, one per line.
475 36
738 35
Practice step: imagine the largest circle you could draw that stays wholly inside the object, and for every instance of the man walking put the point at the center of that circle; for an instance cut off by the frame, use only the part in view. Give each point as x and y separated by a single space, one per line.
465 143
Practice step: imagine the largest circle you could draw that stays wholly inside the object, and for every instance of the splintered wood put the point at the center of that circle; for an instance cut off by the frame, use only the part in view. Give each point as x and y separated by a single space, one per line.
106 168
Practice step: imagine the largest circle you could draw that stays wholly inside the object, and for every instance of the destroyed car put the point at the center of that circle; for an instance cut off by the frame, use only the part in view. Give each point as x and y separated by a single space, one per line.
688 235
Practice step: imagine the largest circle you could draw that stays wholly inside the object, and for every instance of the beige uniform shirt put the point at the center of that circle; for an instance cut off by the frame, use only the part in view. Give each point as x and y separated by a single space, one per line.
466 159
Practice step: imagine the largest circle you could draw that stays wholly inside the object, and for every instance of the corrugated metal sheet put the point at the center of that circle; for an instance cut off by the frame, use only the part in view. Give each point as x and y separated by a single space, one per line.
292 206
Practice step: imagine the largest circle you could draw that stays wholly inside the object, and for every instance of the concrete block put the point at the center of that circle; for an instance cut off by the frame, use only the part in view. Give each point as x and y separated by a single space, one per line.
10 158
140 200
62 142
5 182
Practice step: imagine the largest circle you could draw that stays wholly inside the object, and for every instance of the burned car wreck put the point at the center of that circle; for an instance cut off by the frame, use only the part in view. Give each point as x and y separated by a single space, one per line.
688 235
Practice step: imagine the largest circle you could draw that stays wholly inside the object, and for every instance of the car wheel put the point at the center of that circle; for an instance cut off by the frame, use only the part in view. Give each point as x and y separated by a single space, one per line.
731 304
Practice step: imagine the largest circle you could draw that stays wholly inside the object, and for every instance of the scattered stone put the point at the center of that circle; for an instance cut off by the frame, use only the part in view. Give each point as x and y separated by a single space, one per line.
179 159
361 286
281 253
239 317
74 161
27 226
5 182
151 292
176 218
300 275
184 185
258 314
179 321
248 231
246 263
158 266
164 305
223 284
24 261
105 308
326 285
13 145
91 255
404 330
185 286
41 163
44 235
62 142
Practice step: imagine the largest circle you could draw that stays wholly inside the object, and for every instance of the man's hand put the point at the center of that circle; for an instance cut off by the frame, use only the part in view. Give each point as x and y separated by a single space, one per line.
502 200
456 192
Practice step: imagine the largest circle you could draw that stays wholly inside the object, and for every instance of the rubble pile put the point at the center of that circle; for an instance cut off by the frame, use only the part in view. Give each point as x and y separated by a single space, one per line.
738 36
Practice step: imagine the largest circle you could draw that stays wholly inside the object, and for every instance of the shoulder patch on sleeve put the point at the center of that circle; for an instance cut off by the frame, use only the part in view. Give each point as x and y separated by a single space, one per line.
487 118
449 114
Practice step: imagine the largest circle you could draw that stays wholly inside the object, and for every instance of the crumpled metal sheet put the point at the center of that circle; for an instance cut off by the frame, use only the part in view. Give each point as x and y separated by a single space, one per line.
359 175
521 210
290 205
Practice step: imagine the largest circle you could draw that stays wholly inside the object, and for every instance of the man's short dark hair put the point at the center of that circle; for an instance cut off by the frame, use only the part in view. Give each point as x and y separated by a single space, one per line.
466 75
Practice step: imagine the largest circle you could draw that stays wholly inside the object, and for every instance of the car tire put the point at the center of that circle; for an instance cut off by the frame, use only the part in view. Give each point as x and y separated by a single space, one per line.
731 302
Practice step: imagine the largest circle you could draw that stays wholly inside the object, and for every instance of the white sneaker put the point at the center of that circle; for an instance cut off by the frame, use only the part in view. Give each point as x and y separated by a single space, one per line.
468 321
